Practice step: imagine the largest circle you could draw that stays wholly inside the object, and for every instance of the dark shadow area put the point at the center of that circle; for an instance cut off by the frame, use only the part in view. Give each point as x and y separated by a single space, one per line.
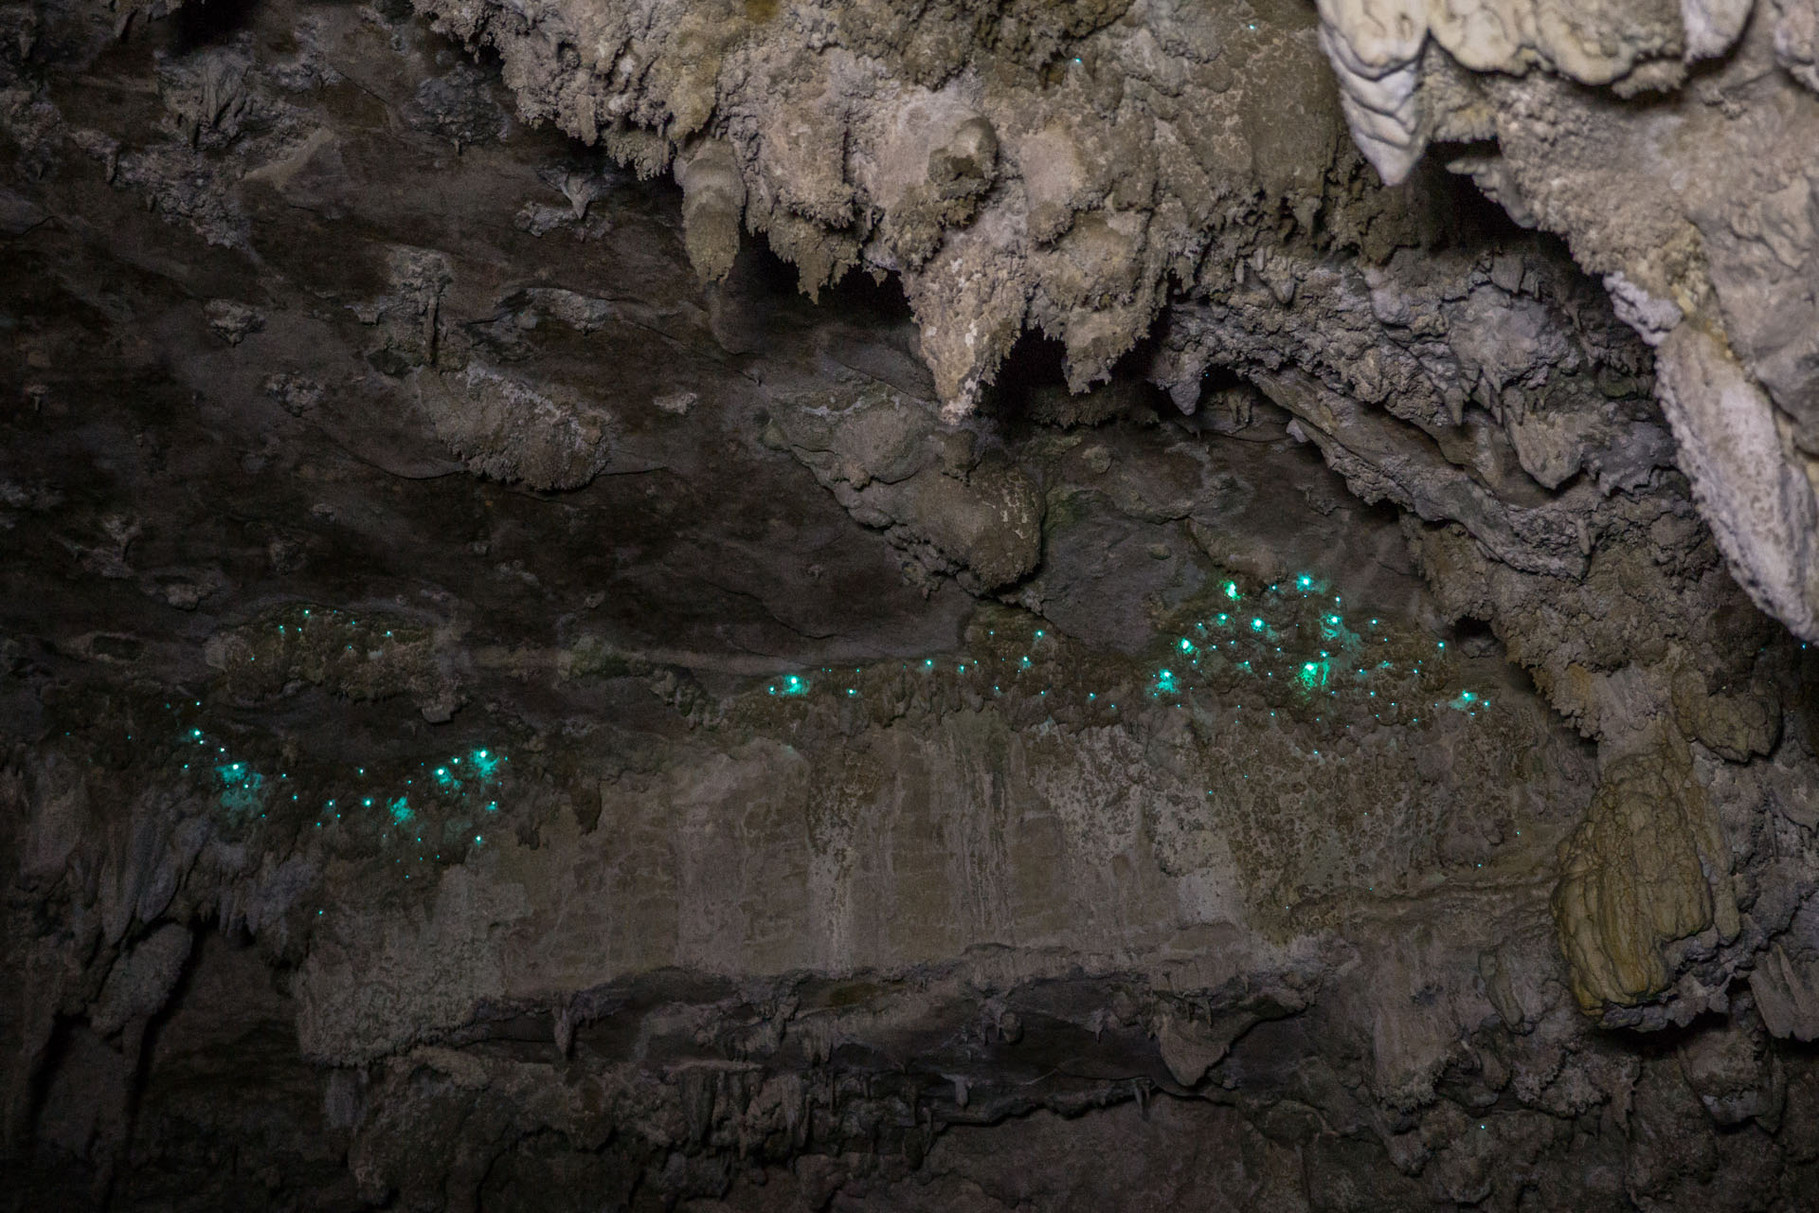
864 297
856 297
1451 211
1030 391
1473 636
196 25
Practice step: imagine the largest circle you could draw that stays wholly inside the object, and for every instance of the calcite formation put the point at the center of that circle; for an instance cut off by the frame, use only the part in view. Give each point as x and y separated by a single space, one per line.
1064 167
850 604
1697 209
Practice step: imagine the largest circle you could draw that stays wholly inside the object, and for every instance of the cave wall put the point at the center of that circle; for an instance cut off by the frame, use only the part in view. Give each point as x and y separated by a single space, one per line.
1205 677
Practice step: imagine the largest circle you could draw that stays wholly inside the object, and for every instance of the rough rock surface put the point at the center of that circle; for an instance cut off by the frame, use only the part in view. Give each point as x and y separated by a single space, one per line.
1066 166
505 702
1685 180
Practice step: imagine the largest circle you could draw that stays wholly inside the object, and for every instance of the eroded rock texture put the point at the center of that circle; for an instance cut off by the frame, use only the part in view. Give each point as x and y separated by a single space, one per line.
1685 180
1063 166
530 679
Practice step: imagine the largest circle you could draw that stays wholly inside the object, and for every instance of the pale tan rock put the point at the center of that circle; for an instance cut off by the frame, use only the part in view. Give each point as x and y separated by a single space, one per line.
1649 866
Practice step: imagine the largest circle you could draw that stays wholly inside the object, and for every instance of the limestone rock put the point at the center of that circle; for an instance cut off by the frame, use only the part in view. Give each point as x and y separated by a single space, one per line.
1195 679
1649 866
